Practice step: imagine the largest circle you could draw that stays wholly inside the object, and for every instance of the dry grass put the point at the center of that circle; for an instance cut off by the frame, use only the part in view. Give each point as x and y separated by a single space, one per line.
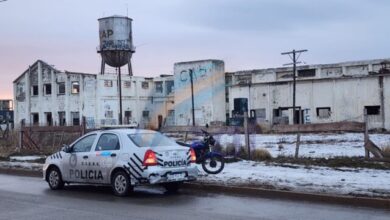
261 154
230 150
386 151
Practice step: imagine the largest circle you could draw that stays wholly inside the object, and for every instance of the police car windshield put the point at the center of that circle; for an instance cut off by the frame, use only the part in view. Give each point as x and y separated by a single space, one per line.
151 140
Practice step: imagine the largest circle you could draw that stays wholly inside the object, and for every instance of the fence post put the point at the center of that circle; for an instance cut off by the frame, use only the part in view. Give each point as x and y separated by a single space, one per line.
83 126
298 143
246 129
367 152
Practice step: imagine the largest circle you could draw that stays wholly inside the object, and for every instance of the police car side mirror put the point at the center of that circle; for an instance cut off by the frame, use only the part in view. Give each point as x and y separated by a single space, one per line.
66 148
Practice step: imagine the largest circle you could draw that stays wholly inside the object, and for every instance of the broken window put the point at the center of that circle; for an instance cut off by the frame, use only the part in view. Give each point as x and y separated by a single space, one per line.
47 89
35 118
145 85
127 84
307 73
159 87
109 114
323 112
107 83
145 114
49 119
373 110
35 90
170 86
127 117
61 118
61 88
75 87
75 118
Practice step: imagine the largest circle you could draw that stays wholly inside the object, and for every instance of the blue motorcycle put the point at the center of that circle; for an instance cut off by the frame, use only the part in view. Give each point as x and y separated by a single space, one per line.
212 162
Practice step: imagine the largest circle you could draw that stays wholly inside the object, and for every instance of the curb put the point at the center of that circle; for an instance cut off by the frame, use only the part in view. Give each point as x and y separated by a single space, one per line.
256 192
280 194
20 172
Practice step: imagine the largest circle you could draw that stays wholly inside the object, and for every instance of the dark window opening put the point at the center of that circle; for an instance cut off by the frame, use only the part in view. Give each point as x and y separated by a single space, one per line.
35 90
307 73
323 112
127 117
49 119
75 118
35 118
61 118
61 88
145 85
240 105
145 114
47 89
169 85
373 110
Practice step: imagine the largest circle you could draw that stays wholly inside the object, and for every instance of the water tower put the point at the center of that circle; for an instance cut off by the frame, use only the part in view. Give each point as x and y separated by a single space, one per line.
116 47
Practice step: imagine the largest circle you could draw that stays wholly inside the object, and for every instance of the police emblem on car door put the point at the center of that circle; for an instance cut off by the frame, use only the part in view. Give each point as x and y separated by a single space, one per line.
105 156
76 167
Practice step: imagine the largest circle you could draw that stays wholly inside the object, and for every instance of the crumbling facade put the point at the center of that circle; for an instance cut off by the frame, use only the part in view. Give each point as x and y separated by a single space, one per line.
46 96
325 93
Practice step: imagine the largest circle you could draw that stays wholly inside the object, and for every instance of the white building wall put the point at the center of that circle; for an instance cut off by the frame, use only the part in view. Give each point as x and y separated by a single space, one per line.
209 92
345 89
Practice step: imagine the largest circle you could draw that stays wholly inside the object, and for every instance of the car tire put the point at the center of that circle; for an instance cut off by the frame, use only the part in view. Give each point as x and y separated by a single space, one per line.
172 187
121 184
54 179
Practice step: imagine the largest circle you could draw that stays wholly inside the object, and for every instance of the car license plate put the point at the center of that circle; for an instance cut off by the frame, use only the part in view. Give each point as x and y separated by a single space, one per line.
176 176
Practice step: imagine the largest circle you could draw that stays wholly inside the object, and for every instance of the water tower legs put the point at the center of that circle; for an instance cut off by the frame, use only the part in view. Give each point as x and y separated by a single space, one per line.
130 67
102 67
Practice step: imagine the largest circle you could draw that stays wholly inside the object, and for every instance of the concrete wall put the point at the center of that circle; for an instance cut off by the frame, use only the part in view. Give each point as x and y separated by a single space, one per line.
209 92
345 88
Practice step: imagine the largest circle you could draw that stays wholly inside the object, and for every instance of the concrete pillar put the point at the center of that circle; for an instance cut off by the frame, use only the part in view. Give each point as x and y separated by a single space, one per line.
28 97
67 94
40 95
54 105
81 97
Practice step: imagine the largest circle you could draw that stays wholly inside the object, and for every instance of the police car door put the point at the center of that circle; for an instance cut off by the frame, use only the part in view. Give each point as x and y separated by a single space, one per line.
105 156
76 167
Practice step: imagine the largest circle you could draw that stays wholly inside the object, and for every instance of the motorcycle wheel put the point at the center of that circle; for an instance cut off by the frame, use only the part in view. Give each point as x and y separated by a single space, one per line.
213 165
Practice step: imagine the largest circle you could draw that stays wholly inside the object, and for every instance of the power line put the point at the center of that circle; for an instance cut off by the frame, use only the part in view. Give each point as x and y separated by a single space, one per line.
294 58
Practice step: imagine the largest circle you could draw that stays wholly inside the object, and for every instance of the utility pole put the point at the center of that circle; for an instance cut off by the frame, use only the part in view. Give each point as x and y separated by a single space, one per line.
295 56
192 97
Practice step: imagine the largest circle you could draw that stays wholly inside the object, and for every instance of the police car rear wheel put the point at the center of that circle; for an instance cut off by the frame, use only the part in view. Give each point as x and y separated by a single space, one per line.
121 184
54 179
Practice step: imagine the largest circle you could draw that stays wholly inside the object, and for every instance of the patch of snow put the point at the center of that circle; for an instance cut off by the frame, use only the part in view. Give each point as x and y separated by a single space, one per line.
21 165
314 179
312 145
25 158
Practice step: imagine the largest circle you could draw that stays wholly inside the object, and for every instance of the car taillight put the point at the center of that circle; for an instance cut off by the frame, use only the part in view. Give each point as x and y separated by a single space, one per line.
193 156
150 158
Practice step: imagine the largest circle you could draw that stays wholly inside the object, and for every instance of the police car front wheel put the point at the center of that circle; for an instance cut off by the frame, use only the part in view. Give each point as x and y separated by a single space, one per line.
54 179
121 184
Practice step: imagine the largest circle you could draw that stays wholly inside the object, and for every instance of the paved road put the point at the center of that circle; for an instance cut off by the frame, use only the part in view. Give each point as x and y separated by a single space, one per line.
30 198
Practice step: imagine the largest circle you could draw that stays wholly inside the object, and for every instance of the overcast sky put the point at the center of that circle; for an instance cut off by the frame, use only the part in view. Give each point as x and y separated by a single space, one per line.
246 34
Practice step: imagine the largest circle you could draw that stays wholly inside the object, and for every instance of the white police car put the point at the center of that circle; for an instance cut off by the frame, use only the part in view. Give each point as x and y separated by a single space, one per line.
122 158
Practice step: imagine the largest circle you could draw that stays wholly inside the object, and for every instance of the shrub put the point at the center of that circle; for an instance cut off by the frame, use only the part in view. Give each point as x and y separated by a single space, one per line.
217 147
261 154
386 151
242 153
230 150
